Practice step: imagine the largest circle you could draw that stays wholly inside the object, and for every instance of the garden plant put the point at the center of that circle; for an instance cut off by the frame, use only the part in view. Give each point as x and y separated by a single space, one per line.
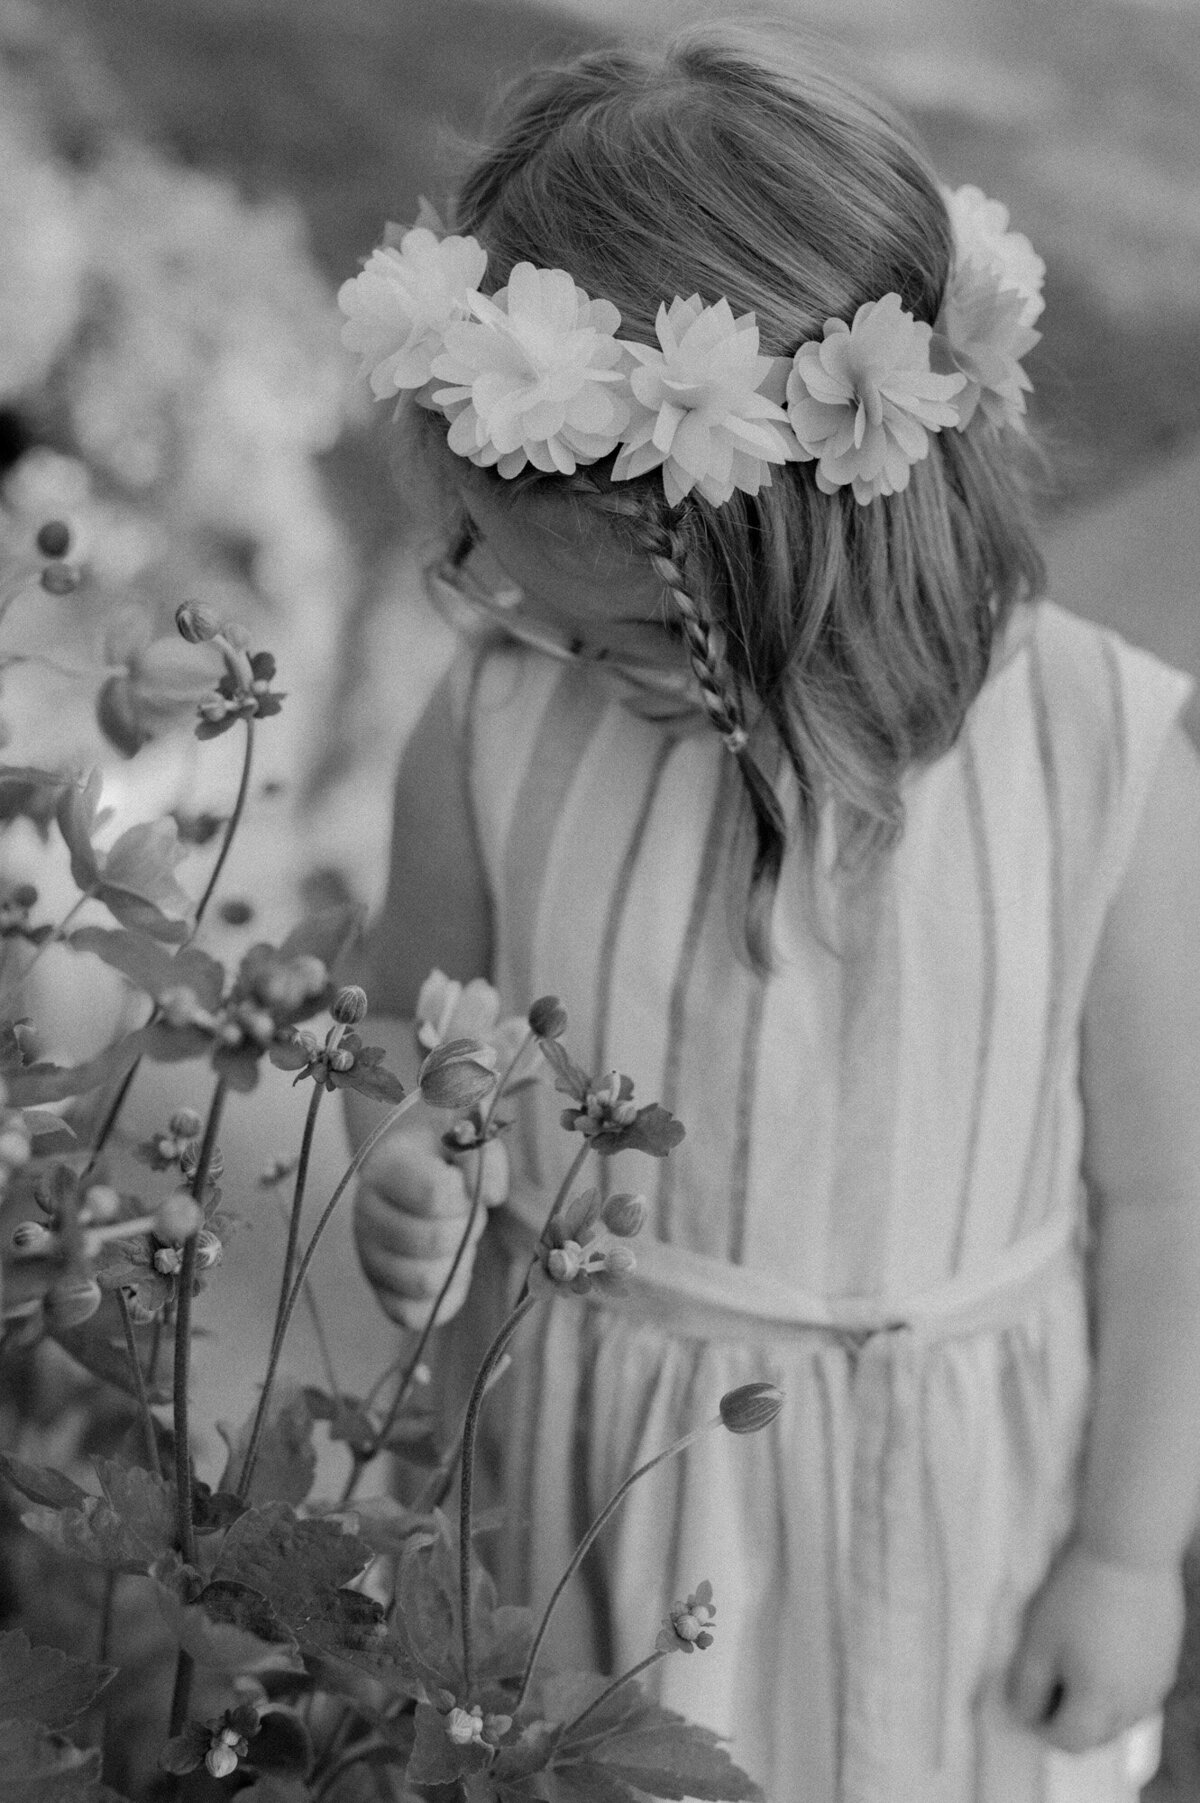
334 1649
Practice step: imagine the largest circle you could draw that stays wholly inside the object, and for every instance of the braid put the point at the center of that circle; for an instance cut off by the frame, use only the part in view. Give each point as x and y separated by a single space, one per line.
706 647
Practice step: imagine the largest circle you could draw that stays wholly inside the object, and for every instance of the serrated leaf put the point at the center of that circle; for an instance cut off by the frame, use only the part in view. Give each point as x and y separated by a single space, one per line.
386 1526
127 1528
93 1346
301 1568
653 1131
287 1459
37 1767
656 1751
223 1626
42 1684
435 1759
587 1784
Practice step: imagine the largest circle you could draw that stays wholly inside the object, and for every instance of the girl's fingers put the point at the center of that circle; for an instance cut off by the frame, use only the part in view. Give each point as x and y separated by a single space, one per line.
1035 1689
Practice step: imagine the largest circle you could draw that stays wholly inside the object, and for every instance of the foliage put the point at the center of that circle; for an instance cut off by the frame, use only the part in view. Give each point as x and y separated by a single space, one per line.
314 1642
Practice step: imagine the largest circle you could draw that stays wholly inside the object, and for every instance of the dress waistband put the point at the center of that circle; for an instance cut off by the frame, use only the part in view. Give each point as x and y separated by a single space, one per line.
698 1297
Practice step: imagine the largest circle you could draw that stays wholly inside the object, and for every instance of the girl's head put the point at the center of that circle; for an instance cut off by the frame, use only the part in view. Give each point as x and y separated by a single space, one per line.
732 163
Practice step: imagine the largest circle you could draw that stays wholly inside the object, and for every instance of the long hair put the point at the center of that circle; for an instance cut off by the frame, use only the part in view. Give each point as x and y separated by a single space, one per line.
733 161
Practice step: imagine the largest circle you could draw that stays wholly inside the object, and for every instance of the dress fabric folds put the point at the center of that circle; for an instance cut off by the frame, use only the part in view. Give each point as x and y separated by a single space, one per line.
877 1206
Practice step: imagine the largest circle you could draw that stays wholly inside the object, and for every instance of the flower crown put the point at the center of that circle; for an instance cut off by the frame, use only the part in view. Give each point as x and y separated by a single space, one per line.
535 374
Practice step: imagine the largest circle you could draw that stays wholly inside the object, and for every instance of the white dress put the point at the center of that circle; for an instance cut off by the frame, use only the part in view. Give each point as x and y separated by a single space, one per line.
877 1206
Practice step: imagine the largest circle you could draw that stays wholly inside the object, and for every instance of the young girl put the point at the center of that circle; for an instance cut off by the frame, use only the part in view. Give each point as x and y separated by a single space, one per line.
870 864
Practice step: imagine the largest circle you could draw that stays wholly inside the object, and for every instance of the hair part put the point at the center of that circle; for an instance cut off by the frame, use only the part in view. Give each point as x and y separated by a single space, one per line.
732 161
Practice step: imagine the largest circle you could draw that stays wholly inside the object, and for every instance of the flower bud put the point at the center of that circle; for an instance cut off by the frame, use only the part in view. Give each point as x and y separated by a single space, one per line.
15 1146
60 578
565 1262
194 625
185 1123
750 1407
31 1236
341 1058
178 1219
458 1073
209 1250
140 1313
619 1261
24 896
221 1760
54 538
70 1303
625 1215
101 1203
464 1726
349 1005
548 1018
189 1160
168 1261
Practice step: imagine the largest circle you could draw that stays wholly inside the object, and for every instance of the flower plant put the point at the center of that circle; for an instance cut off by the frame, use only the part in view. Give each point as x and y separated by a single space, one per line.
324 1650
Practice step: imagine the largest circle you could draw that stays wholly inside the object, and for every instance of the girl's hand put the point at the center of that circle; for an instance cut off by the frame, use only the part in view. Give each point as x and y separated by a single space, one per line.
1098 1650
410 1214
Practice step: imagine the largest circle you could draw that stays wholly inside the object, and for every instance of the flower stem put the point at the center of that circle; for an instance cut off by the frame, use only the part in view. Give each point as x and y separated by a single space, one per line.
467 1478
289 1255
577 1557
634 1671
575 1168
231 828
361 1460
183 1347
54 938
260 1417
149 1435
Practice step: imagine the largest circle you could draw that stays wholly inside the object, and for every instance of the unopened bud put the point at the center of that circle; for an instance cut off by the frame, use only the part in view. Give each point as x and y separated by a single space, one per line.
101 1203
625 1215
619 1261
54 538
194 625
168 1261
221 1760
209 1250
185 1123
458 1073
24 896
70 1303
189 1160
60 579
349 1005
31 1236
750 1407
548 1018
16 1149
464 1726
178 1219
340 1059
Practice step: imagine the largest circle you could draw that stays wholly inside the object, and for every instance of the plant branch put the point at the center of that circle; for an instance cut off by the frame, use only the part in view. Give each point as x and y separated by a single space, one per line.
634 1671
289 1255
368 1145
466 1484
577 1557
231 828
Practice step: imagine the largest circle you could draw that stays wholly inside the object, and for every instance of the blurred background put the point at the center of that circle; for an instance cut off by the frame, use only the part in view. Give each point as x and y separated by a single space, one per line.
183 187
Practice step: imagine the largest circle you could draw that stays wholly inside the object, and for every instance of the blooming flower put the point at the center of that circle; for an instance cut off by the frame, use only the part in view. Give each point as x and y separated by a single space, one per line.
399 307
982 239
568 1257
707 414
862 400
686 1628
447 1009
536 377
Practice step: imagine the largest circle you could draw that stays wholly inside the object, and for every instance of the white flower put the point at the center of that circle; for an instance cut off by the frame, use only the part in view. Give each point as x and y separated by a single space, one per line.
982 237
863 399
399 307
992 299
447 1009
536 377
707 414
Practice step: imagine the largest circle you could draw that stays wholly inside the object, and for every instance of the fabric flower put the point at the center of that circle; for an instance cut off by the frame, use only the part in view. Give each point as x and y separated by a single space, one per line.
536 377
708 416
863 400
993 297
982 237
399 307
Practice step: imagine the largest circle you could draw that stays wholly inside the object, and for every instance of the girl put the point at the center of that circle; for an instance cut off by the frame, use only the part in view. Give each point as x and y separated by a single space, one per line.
867 862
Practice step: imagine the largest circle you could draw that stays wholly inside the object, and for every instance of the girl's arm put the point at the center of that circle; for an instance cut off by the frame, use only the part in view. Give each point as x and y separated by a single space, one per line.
1102 1636
412 1203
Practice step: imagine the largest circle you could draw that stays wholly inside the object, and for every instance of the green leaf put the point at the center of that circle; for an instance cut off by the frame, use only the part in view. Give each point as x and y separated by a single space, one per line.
300 1567
325 935
282 1745
653 1750
137 881
93 1346
127 1528
224 1626
41 1484
37 1767
435 1759
653 1131
150 966
42 1684
287 1458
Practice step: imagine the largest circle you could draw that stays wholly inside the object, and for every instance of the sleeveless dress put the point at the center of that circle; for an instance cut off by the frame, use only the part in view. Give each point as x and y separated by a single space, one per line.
877 1207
